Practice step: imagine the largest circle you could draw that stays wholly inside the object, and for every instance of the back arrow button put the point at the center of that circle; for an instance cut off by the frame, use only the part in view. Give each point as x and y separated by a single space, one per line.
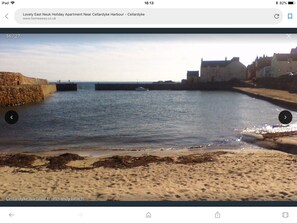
6 16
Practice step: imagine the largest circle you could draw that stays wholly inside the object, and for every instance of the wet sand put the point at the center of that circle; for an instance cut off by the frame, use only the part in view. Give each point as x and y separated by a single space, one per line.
190 175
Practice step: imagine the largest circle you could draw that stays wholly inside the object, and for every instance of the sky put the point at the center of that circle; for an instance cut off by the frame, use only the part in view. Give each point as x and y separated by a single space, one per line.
130 57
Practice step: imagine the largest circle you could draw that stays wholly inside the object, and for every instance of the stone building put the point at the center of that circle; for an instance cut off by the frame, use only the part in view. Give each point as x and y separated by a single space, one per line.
294 50
192 77
251 71
283 63
222 70
261 67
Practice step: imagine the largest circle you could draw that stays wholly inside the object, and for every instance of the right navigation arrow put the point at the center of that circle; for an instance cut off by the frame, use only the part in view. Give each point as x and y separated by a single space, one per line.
285 117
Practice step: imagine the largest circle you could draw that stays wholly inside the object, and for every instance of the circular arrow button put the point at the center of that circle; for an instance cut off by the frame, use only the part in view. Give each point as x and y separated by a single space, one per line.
276 16
285 117
11 117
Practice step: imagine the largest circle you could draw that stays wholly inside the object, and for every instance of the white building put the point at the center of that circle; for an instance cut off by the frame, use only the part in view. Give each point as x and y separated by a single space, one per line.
222 70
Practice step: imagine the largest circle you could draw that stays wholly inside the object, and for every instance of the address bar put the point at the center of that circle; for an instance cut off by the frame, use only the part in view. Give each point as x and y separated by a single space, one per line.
205 16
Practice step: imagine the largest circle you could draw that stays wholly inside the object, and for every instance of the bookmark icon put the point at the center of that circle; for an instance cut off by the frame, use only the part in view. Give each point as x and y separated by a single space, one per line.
290 15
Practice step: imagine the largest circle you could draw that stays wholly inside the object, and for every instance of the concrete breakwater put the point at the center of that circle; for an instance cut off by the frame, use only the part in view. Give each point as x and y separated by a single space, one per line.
66 87
17 89
132 86
228 85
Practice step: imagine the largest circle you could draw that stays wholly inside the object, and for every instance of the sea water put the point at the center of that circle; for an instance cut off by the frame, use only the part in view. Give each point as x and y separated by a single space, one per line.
131 119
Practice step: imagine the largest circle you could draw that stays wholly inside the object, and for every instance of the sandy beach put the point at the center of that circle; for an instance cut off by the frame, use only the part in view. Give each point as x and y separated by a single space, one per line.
191 175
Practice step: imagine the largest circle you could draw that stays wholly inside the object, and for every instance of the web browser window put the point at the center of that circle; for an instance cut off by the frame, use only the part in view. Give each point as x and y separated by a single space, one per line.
148 111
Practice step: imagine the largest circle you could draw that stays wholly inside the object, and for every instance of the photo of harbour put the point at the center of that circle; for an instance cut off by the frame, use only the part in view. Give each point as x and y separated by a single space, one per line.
148 117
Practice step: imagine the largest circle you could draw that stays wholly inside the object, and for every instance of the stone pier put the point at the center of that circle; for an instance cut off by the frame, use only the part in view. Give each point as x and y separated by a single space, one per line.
17 89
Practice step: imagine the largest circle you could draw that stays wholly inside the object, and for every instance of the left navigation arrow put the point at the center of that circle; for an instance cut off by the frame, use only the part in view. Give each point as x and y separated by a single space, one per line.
11 117
6 16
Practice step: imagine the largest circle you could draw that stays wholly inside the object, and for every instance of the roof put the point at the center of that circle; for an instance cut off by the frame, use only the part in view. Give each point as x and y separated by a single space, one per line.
263 62
193 73
219 63
285 56
213 63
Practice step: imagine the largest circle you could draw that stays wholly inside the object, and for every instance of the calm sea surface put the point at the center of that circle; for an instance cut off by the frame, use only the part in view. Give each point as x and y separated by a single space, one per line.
126 119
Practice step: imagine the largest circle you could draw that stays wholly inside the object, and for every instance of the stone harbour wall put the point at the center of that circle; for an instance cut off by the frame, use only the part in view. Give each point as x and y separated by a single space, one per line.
19 95
16 89
284 82
15 79
48 89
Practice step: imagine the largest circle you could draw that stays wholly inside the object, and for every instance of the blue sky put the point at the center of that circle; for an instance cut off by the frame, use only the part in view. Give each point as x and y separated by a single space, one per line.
130 57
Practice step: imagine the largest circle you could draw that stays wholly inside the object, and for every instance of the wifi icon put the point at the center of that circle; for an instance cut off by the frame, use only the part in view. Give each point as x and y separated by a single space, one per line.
12 2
